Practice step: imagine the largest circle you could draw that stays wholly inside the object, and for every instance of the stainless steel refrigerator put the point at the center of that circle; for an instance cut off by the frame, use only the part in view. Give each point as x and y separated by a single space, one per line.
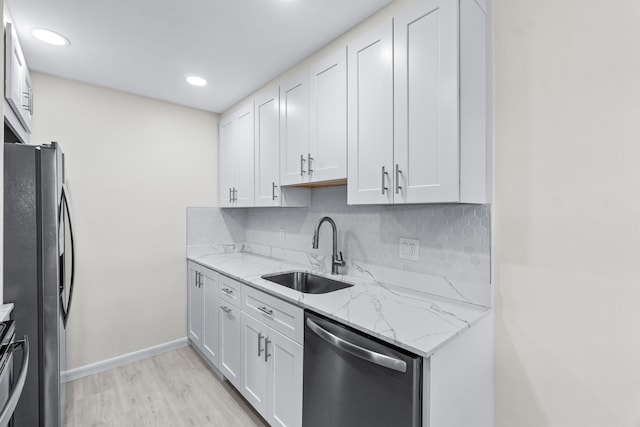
38 273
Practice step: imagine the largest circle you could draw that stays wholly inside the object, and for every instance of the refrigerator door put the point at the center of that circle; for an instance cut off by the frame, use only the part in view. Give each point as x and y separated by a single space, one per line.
31 276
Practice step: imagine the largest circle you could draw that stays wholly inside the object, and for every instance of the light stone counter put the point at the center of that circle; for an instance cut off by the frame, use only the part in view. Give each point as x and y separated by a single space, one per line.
419 322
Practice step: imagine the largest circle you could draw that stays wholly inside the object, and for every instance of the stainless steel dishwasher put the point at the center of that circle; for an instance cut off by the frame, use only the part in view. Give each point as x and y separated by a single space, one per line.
351 379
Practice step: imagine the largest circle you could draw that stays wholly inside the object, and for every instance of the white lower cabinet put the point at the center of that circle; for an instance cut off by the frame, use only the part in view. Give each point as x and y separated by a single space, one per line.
230 343
195 294
273 369
261 358
210 342
203 310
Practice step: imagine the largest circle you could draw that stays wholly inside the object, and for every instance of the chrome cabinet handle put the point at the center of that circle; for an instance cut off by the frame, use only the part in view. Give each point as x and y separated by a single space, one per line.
230 195
384 175
227 291
266 311
309 171
197 279
260 349
273 191
357 351
12 401
266 349
302 160
398 173
225 309
234 192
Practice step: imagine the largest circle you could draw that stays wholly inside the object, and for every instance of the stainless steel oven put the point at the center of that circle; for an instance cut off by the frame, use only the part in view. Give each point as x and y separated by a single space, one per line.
351 379
10 387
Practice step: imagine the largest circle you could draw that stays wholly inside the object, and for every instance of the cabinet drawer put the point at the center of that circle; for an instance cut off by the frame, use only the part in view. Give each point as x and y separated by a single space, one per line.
279 315
230 290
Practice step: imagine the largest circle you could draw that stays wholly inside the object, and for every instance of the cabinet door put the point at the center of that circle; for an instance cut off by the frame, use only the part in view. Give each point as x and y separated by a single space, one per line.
294 130
14 74
285 381
267 179
244 140
426 147
27 98
210 286
231 343
328 118
254 363
196 304
227 163
370 124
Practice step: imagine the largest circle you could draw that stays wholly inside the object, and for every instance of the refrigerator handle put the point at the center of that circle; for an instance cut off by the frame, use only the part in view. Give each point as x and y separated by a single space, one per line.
64 206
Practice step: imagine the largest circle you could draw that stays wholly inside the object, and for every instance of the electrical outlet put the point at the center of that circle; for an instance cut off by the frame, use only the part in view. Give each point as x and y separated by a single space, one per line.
409 249
282 234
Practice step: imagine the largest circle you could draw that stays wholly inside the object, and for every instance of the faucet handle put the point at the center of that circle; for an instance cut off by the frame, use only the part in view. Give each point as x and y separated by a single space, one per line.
339 260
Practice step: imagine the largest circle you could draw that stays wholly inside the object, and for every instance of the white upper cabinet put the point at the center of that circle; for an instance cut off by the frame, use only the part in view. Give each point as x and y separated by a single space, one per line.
18 91
236 157
328 118
267 152
426 147
313 123
227 162
294 130
246 167
371 117
427 128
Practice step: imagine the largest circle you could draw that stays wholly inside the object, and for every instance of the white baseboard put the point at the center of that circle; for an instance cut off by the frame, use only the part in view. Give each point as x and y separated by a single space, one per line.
114 362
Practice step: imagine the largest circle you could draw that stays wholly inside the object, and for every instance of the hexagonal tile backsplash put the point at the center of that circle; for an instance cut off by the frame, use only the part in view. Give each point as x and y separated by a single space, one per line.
454 239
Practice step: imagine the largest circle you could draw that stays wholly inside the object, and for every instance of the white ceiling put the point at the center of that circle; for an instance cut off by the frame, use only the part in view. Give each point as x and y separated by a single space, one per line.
147 46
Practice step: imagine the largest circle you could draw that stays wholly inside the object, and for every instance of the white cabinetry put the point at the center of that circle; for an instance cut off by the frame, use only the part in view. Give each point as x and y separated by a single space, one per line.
417 119
203 310
371 117
267 157
210 341
230 330
196 304
254 339
294 130
328 118
18 90
273 373
237 158
313 123
267 152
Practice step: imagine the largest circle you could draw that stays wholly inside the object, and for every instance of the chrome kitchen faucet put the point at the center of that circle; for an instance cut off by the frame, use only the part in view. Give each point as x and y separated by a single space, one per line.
335 260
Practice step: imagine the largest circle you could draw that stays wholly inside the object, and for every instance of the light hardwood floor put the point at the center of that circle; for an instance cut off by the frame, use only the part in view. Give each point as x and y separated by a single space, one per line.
172 389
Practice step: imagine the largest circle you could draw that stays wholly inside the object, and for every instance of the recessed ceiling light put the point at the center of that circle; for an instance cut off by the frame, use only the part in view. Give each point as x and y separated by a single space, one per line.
196 80
50 37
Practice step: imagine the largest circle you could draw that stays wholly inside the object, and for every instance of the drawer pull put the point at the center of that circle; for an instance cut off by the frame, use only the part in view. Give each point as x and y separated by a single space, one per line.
266 311
225 309
227 291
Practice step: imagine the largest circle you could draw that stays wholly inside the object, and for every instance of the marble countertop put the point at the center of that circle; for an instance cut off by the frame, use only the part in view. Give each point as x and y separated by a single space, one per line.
418 322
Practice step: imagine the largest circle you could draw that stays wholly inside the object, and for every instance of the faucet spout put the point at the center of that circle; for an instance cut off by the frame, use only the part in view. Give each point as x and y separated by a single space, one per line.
336 261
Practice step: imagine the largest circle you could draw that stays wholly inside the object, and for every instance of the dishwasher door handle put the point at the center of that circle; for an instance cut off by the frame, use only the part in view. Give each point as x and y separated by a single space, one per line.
356 350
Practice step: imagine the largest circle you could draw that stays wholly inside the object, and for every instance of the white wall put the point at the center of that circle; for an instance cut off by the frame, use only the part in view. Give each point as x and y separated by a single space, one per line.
133 165
567 212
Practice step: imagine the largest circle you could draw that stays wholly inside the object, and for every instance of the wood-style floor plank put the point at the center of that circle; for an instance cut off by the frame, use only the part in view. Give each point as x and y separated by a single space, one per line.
173 389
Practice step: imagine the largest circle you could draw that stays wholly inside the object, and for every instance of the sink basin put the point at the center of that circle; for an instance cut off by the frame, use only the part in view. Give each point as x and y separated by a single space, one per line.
307 283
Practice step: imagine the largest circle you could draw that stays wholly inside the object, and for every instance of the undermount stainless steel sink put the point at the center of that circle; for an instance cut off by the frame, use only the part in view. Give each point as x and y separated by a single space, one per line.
305 282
